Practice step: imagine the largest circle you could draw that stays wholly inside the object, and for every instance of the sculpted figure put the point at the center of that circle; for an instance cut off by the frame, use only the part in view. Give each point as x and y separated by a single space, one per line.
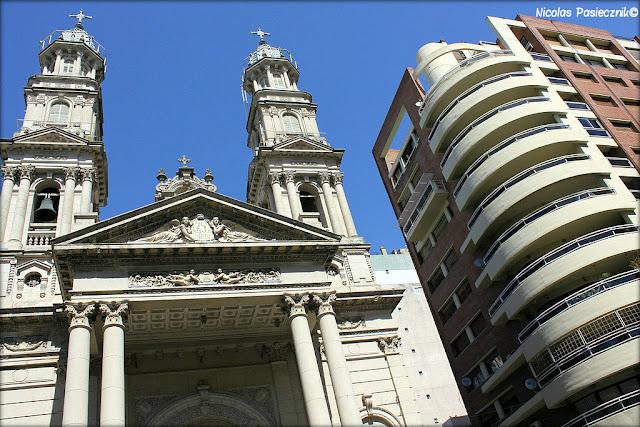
223 233
231 278
188 279
177 230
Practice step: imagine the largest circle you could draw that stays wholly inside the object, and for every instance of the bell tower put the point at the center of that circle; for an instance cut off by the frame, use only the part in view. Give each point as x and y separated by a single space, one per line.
54 173
295 171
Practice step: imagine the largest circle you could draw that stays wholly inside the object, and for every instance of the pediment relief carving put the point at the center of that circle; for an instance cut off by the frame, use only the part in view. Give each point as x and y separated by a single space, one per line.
302 144
214 277
200 229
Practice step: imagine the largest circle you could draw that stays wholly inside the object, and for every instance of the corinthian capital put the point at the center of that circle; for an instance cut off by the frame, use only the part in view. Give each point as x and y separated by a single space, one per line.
9 172
294 305
79 315
26 171
114 314
275 177
70 172
323 303
290 176
325 177
389 344
337 177
88 174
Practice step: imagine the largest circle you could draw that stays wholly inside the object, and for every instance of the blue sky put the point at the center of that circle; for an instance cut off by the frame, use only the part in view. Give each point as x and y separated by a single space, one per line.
174 68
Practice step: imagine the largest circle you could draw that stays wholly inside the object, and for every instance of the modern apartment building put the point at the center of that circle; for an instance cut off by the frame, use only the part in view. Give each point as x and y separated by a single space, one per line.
512 167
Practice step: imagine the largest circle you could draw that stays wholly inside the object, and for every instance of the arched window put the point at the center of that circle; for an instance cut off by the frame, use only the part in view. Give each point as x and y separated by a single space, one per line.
263 82
59 112
46 205
33 280
68 64
308 202
291 124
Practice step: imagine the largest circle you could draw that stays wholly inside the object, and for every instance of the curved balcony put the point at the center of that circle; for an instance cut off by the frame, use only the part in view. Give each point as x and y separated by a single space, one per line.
496 124
467 73
560 263
480 98
521 186
591 339
584 294
541 228
617 412
509 154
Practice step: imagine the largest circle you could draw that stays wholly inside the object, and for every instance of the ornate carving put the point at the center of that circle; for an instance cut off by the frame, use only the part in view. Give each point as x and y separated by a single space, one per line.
26 171
192 278
275 177
199 229
9 172
276 351
114 314
88 174
324 177
349 324
70 173
294 305
337 177
389 344
23 344
290 177
79 315
273 111
367 402
323 305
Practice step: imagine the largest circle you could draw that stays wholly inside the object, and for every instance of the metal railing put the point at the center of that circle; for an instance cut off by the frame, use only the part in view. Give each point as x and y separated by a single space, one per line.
533 170
74 35
576 298
517 137
433 187
472 90
559 252
581 195
607 409
620 162
485 117
461 65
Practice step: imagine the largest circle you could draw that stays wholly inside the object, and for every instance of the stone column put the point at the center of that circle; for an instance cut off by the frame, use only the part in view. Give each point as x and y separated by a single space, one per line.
20 213
336 224
68 200
56 67
277 191
344 205
292 194
88 175
76 389
8 180
112 400
340 376
312 388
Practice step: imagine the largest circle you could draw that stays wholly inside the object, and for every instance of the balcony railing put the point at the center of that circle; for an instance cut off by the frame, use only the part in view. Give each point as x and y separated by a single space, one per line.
507 142
540 57
422 195
74 35
582 195
559 252
486 117
577 297
559 81
577 105
592 338
39 238
622 162
474 89
607 409
461 65
519 177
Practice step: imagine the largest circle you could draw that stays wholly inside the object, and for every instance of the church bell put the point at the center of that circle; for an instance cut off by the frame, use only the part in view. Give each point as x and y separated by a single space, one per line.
46 211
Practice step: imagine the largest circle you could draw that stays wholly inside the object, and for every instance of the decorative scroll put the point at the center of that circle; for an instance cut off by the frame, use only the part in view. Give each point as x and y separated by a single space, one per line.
219 277
389 344
350 324
23 344
199 229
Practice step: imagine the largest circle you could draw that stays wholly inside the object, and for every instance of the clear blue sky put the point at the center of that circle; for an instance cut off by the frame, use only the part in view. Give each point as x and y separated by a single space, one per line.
173 80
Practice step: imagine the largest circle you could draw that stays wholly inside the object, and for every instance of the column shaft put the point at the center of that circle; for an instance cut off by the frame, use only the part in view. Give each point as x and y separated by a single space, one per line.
112 400
87 190
277 194
292 194
20 213
336 224
340 376
346 212
67 203
5 200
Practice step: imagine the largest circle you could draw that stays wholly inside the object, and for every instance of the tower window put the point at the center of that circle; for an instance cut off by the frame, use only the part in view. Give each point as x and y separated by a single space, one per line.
308 202
33 280
291 124
46 205
278 81
263 82
59 112
67 65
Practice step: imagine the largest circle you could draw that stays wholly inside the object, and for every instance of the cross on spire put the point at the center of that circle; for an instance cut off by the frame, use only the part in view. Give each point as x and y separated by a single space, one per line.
184 160
261 35
80 17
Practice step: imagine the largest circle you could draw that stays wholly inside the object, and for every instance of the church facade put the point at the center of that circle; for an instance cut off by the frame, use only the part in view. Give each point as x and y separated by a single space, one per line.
197 309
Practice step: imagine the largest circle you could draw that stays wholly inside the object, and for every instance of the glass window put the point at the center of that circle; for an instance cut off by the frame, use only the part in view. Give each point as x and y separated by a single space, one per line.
440 226
588 123
68 65
568 58
450 258
463 290
583 76
614 80
436 279
447 311
59 112
460 343
603 100
425 249
291 124
619 65
493 361
477 325
33 280
593 62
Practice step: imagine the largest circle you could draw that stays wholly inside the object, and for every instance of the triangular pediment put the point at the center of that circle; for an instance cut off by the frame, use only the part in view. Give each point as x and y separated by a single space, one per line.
196 218
301 143
50 135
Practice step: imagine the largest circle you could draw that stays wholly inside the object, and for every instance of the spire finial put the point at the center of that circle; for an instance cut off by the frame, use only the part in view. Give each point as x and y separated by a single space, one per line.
184 160
261 35
80 17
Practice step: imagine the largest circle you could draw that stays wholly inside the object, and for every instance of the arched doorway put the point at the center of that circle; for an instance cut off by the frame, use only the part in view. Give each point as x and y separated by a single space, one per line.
210 409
